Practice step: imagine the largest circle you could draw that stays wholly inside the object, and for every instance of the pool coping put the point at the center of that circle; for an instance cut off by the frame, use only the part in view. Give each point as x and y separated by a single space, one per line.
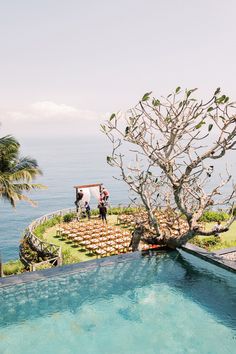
212 257
72 268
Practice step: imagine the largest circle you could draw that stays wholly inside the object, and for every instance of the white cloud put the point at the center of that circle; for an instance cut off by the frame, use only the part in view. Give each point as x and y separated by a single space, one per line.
45 114
52 109
44 110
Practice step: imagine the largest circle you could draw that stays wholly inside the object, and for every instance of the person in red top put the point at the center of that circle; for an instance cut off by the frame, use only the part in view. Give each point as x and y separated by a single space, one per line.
105 194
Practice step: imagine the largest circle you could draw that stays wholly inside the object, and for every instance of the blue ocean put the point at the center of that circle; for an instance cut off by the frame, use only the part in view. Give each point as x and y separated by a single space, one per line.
65 163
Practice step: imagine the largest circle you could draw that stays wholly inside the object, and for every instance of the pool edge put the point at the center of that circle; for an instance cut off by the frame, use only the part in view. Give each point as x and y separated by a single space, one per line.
211 257
72 268
23 278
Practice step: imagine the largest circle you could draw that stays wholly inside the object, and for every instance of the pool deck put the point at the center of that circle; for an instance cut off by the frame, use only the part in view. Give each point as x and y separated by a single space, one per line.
67 269
220 258
225 258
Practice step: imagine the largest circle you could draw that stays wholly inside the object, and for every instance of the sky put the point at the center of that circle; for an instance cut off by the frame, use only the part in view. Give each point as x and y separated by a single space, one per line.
67 64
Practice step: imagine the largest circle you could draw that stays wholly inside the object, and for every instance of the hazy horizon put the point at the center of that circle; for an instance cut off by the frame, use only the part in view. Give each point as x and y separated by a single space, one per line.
68 64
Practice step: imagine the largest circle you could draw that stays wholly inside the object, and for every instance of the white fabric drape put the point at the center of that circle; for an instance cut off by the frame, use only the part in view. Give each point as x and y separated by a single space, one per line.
87 195
95 191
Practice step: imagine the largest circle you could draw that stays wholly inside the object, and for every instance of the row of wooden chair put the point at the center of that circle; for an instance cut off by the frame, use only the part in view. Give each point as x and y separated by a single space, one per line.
169 222
96 238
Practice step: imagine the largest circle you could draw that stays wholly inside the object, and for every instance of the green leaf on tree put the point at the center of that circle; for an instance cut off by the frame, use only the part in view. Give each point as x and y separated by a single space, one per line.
155 102
127 129
222 117
146 96
221 99
210 126
210 109
189 92
178 89
198 126
217 91
112 116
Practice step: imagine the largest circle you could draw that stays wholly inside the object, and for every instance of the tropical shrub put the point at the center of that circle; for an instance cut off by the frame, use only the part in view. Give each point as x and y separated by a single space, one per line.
206 242
94 212
43 266
68 257
69 217
39 230
13 267
212 243
211 216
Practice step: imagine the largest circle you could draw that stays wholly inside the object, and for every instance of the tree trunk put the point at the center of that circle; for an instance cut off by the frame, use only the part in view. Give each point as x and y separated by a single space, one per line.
170 241
136 238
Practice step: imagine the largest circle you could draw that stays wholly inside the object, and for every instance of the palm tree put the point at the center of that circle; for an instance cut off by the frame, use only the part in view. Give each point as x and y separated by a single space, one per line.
16 173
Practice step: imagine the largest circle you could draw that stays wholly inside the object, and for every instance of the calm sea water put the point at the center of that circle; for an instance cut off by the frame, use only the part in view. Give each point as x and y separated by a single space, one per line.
65 163
170 303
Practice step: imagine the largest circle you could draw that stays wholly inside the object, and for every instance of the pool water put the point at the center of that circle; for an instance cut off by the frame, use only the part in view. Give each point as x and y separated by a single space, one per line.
162 303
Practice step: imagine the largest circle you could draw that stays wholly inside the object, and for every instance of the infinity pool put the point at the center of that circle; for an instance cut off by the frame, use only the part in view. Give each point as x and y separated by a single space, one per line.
161 303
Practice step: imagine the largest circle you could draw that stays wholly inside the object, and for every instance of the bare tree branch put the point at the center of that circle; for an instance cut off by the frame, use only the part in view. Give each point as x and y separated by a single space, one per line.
165 150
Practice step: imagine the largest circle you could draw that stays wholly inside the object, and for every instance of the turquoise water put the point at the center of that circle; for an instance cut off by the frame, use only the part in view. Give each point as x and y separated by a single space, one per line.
169 303
65 163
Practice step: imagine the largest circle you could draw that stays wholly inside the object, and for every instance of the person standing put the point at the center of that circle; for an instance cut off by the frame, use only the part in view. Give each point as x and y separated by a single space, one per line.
79 197
87 209
105 194
103 212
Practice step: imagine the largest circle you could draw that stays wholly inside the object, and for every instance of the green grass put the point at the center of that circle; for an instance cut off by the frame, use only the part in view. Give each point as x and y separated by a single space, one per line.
13 267
225 236
71 253
225 240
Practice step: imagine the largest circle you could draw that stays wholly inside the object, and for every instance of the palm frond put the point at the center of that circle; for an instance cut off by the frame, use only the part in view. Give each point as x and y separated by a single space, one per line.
7 141
20 187
16 173
29 164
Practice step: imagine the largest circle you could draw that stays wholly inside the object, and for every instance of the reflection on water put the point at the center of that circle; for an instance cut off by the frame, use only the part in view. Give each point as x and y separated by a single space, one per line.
211 287
164 303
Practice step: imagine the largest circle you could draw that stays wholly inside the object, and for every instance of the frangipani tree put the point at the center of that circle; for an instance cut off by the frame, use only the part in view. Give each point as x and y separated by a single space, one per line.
166 151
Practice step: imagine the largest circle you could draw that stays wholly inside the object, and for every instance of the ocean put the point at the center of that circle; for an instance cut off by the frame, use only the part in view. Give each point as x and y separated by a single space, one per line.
65 163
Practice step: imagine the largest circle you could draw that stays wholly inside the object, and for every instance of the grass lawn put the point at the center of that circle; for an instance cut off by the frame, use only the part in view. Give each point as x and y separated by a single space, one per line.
74 254
225 240
225 236
71 252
